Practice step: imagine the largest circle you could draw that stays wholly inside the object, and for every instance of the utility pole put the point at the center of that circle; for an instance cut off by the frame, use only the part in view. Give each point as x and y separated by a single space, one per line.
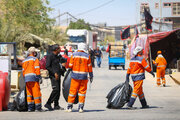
160 6
59 17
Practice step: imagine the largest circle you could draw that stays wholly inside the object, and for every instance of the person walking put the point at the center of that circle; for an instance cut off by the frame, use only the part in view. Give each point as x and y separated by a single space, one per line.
31 73
99 55
92 54
137 67
161 63
80 63
55 72
65 51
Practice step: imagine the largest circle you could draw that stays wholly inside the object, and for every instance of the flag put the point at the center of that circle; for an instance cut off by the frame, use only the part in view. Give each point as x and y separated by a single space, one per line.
125 33
136 31
148 19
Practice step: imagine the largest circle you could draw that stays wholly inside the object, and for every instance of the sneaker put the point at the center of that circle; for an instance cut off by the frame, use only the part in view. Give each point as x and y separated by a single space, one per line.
48 107
69 110
81 110
39 110
144 107
58 108
130 108
29 110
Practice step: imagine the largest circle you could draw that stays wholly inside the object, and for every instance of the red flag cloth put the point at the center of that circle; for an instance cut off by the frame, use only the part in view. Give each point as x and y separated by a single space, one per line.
125 33
148 19
136 31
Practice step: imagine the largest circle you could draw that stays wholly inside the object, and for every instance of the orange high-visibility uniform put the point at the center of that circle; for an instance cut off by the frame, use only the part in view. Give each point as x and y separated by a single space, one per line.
80 63
31 73
161 63
137 67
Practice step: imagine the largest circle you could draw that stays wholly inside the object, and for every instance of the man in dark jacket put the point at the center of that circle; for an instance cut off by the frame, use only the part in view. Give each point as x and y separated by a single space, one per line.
55 71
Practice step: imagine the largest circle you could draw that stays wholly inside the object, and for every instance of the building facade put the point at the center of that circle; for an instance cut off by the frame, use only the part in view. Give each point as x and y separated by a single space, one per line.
166 14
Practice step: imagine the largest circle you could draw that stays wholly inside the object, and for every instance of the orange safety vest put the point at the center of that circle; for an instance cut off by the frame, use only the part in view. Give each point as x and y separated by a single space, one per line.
31 69
160 61
80 63
137 67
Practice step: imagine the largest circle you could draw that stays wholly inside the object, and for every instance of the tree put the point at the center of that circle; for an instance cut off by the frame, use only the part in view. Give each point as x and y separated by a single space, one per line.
24 16
107 39
80 24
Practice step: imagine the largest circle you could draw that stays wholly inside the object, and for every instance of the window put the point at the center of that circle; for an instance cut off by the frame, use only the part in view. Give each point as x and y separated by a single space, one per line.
156 5
167 20
143 5
157 19
176 9
167 4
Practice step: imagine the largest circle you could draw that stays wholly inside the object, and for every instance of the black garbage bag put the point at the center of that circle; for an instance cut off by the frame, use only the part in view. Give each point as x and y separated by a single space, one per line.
119 96
20 101
66 86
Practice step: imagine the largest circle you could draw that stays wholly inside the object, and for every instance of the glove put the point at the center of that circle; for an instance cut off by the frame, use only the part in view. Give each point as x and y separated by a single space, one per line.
152 74
91 79
127 77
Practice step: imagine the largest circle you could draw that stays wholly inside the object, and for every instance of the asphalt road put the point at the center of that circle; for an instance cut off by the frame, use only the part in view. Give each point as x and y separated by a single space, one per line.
164 101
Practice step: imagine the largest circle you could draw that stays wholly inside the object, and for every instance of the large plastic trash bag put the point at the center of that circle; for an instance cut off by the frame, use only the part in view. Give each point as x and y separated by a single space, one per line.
119 96
66 86
20 101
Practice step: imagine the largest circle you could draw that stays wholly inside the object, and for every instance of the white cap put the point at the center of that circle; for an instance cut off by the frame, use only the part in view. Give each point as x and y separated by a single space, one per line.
32 49
137 50
82 46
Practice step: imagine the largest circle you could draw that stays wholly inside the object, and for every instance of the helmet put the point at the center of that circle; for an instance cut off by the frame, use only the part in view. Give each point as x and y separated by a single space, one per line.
159 52
82 46
137 50
32 49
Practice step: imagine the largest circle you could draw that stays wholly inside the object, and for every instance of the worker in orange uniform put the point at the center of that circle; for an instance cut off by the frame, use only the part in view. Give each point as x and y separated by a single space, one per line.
137 67
80 63
31 73
161 63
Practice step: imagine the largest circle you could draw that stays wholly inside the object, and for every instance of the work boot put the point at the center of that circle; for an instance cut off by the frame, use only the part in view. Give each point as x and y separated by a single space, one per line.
48 107
69 108
164 85
144 103
131 102
58 108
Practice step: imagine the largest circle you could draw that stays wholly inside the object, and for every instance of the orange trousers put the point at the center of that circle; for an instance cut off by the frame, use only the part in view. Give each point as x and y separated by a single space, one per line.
33 95
160 73
79 86
138 90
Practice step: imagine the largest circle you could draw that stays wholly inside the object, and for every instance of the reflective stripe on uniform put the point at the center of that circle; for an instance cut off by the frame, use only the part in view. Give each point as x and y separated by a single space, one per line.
29 95
80 72
29 103
37 98
36 67
158 77
29 74
135 94
161 66
137 74
70 64
37 104
29 60
81 57
135 61
72 95
146 67
141 95
81 103
89 64
81 94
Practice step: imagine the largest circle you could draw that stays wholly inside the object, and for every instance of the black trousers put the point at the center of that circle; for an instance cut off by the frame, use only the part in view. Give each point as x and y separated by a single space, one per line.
55 94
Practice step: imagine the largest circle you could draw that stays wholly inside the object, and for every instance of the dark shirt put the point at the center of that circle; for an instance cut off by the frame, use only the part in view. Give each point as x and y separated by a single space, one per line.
53 64
98 53
66 52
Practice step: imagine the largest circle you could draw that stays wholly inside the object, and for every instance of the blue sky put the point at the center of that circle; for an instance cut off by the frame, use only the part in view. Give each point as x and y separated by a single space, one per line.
117 12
